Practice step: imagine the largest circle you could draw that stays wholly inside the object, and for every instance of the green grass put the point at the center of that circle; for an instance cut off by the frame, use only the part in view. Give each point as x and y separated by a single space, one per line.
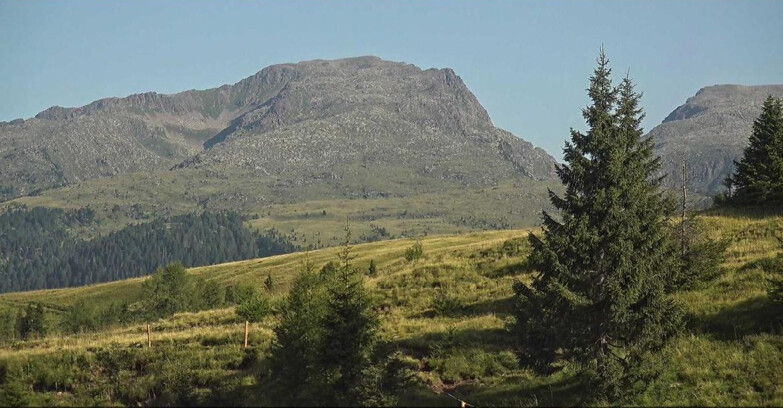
731 354
415 207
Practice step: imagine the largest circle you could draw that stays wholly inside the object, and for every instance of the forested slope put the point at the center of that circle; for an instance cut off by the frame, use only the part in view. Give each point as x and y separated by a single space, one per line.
39 250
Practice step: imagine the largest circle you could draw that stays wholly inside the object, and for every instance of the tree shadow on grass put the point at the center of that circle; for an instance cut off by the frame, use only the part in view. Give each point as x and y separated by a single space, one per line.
507 270
526 391
501 307
753 316
420 346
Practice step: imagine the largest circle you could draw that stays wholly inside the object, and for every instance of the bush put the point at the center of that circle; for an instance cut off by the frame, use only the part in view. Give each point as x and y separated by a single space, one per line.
254 309
15 394
81 316
208 295
167 291
239 293
31 322
775 267
700 257
415 252
269 284
445 303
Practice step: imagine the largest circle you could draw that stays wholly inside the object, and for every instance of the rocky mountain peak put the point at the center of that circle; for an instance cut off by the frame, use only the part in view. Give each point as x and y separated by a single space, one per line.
709 131
363 109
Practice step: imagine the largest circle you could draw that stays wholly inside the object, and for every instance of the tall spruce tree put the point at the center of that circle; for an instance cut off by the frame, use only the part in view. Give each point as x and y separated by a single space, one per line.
350 327
758 177
297 343
325 337
599 298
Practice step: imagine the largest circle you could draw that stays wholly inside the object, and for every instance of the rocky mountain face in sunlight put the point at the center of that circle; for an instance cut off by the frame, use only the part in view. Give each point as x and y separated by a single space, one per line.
315 119
331 118
709 132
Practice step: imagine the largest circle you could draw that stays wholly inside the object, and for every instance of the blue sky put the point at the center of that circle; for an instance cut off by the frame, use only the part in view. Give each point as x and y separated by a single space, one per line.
527 62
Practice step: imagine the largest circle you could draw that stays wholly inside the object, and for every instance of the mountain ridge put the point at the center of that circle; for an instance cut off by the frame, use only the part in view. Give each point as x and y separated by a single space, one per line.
151 131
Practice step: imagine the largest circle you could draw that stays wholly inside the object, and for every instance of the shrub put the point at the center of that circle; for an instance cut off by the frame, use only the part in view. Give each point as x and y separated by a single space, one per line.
269 283
775 267
254 309
445 303
31 322
239 293
415 252
209 295
167 291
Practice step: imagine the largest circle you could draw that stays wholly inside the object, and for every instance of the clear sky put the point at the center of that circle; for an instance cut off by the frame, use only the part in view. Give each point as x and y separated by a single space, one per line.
527 62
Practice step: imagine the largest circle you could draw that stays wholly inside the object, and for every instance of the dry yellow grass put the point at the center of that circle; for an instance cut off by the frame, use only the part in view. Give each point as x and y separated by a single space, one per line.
731 355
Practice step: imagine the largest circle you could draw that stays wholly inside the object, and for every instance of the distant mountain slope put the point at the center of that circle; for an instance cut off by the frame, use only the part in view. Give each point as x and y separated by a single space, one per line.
141 132
332 117
709 131
315 116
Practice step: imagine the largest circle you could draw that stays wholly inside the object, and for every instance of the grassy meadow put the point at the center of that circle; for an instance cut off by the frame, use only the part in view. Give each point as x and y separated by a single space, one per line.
446 315
312 214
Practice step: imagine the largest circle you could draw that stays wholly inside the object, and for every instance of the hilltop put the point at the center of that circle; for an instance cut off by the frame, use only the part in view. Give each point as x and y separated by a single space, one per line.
709 131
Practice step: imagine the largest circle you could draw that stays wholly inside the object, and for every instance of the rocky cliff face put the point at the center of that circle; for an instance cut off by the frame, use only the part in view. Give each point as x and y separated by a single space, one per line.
331 117
709 131
311 119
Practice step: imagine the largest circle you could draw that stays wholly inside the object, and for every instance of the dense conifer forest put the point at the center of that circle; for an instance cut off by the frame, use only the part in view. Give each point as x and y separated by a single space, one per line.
38 249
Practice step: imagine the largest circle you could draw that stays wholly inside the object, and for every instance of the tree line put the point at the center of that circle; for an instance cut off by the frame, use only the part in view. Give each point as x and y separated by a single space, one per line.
38 249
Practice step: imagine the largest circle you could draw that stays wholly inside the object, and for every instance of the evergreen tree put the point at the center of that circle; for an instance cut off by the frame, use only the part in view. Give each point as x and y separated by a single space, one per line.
700 256
758 177
350 327
415 252
325 337
254 309
167 291
31 322
269 283
599 298
297 342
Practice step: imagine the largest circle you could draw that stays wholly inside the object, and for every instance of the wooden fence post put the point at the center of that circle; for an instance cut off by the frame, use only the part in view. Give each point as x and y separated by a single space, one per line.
149 336
247 331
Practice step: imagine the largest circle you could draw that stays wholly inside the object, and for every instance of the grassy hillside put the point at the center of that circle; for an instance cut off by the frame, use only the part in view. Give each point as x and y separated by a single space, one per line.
732 353
313 213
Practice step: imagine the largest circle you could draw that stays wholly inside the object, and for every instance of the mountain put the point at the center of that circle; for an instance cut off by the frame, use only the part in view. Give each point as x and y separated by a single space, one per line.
316 119
710 131
142 132
336 117
301 148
